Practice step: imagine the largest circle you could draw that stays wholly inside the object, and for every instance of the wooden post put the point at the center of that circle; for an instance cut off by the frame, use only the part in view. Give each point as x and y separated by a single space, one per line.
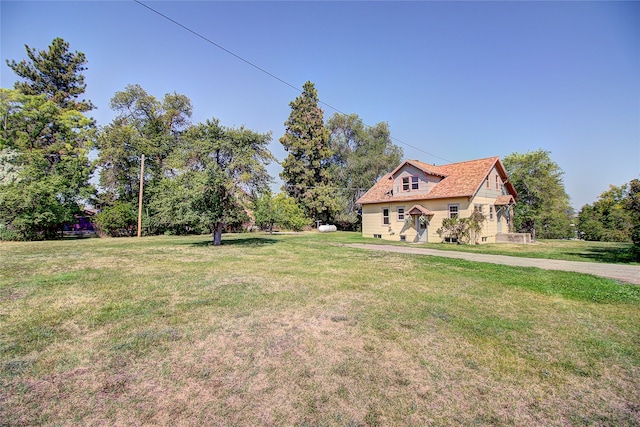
140 196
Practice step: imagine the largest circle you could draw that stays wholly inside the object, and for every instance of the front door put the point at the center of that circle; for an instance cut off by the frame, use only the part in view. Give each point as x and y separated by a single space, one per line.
423 234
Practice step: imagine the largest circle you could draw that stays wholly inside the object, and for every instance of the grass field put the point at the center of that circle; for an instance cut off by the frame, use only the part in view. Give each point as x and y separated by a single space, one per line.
298 330
568 250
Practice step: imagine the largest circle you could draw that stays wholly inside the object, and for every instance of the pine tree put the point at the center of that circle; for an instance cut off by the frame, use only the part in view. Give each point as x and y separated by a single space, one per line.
305 170
55 73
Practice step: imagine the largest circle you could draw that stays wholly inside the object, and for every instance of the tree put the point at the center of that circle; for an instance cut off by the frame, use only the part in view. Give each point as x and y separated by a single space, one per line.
56 73
117 220
609 218
44 142
633 205
143 125
305 169
543 205
280 210
223 167
46 151
361 156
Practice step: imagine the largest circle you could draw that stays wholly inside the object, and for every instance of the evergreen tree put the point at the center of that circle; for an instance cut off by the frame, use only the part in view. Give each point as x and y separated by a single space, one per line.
305 170
44 143
54 72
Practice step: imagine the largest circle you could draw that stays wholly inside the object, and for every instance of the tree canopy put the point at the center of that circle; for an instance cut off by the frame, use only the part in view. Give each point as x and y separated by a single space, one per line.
543 207
361 155
611 218
55 73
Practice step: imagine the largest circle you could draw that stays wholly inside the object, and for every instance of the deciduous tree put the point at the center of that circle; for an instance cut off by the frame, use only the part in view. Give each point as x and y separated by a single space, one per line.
361 156
543 205
223 167
609 218
143 125
46 148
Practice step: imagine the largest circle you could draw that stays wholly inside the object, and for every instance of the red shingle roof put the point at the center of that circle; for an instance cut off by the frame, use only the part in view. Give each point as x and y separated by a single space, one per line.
462 179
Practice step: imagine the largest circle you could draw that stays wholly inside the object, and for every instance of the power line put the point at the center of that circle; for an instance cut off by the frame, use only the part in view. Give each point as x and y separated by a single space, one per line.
195 33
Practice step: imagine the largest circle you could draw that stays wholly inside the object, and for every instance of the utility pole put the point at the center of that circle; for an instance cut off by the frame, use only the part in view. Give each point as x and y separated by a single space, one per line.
140 196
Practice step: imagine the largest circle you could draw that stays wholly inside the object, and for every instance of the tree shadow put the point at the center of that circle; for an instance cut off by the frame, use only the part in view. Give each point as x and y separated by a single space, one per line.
243 241
610 255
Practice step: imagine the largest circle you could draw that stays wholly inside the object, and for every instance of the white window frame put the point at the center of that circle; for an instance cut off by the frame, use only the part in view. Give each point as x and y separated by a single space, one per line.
401 215
490 213
386 220
406 183
415 181
497 182
457 210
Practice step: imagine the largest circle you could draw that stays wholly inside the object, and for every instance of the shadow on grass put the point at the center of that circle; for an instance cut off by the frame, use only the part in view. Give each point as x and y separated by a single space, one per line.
611 255
243 241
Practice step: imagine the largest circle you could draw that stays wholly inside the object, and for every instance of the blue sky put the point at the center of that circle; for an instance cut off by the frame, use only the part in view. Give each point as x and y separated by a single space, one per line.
457 80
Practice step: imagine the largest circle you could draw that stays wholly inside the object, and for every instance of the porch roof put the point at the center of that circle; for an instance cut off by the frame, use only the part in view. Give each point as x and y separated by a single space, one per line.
504 200
419 210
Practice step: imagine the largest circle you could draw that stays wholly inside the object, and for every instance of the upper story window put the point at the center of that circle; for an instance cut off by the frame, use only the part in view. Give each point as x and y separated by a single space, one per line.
487 181
453 211
410 183
414 182
497 182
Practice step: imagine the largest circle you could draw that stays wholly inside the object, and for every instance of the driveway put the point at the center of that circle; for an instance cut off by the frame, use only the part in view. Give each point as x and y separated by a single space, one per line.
621 272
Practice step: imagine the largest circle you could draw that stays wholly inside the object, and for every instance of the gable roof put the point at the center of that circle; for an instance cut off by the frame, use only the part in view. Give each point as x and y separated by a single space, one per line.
462 179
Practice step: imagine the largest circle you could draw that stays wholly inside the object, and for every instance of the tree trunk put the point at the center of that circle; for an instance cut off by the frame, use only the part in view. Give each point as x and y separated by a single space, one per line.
217 234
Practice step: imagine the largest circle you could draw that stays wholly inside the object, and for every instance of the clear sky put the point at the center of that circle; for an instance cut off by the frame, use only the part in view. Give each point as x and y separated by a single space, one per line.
456 80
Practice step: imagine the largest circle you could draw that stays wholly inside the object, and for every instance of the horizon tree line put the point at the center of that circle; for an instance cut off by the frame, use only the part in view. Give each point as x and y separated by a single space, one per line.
206 177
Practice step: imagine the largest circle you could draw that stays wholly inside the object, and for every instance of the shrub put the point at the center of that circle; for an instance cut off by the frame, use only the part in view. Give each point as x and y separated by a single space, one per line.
117 220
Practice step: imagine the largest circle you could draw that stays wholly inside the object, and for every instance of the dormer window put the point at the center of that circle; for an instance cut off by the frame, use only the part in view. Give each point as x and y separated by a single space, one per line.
410 183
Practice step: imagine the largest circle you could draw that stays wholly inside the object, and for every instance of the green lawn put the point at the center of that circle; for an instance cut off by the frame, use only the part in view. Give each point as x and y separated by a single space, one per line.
570 250
299 330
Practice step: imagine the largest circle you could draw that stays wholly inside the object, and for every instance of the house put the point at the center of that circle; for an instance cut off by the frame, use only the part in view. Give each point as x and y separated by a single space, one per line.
410 203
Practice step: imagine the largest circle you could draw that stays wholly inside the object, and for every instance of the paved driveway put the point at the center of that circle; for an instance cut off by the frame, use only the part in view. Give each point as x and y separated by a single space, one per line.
622 272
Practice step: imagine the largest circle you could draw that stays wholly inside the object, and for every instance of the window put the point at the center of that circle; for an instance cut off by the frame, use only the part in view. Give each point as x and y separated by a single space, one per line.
497 182
453 211
490 212
377 236
414 182
385 216
405 184
401 214
487 181
477 208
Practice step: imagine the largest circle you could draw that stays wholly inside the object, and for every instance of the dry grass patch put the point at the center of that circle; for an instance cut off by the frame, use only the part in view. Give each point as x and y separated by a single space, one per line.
296 331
